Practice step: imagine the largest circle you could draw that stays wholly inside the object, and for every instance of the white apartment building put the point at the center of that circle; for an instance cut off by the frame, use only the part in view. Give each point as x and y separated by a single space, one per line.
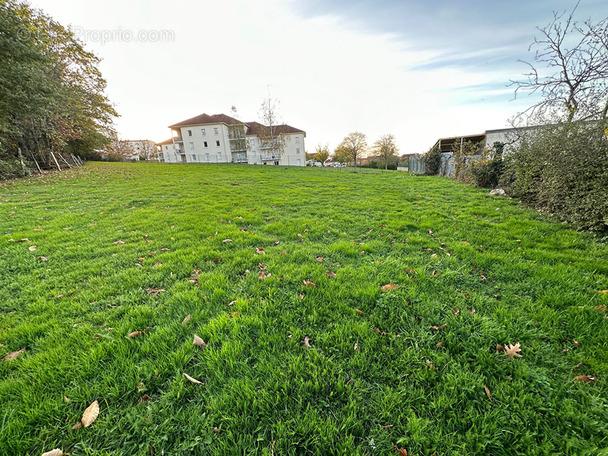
136 149
220 138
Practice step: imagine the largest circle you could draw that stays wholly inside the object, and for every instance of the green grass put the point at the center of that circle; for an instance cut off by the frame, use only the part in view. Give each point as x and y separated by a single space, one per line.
529 281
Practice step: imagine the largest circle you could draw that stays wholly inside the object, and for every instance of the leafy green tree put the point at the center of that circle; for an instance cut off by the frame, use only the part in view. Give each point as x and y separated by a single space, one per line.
352 148
51 92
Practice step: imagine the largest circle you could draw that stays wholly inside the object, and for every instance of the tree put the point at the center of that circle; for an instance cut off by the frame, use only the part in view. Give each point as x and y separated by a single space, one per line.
271 132
322 154
570 70
386 149
353 147
52 97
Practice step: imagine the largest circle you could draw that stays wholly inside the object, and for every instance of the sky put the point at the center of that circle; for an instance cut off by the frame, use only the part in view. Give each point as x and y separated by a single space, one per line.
420 70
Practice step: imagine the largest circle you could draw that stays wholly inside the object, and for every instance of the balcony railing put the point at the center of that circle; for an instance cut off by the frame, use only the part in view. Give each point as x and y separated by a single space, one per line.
270 157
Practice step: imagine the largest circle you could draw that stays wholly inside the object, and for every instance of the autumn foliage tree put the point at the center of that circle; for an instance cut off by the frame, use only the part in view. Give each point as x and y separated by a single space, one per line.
52 100
322 154
352 148
386 149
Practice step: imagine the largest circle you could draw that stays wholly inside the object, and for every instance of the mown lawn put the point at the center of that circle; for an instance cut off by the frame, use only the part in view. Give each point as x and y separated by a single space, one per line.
340 367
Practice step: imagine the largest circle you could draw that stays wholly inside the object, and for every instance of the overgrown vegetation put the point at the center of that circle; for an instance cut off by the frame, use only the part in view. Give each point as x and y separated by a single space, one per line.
432 161
563 169
284 274
52 101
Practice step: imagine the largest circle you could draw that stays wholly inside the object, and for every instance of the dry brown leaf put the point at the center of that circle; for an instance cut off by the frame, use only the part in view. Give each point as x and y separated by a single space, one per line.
513 350
300 295
55 452
261 266
455 310
234 314
90 414
465 242
13 355
359 311
200 342
401 451
438 328
154 291
41 258
487 390
164 249
585 378
66 399
300 236
602 307
187 319
144 398
227 240
77 426
499 348
265 275
192 379
603 291
320 259
430 365
284 252
195 275
332 274
137 333
19 240
308 283
439 344
119 242
307 342
576 344
31 248
471 311
356 347
389 286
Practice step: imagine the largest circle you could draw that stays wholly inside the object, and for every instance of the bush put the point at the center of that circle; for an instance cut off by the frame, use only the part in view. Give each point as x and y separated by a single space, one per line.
432 162
486 172
10 168
563 169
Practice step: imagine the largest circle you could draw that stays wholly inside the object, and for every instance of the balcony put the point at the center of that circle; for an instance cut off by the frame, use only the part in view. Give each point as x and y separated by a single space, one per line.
265 157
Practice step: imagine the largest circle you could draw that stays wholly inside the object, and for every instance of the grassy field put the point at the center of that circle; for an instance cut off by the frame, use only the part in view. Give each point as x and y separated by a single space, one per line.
281 272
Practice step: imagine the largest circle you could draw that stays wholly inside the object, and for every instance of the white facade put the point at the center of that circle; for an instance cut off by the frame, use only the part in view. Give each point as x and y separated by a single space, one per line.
212 139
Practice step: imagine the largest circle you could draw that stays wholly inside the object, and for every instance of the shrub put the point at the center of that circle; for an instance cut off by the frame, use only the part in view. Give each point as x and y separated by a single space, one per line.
486 172
563 169
432 162
10 168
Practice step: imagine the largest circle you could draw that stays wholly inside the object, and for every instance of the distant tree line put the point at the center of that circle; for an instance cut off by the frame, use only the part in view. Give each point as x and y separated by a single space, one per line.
354 151
52 100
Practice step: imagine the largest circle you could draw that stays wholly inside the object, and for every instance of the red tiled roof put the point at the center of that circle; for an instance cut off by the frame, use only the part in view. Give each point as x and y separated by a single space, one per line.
205 119
255 127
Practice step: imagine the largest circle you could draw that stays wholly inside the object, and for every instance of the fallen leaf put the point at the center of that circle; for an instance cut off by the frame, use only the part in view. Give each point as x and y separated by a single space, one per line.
576 344
465 243
154 291
300 295
283 252
320 259
227 240
438 328
455 310
164 249
603 291
513 350
192 379
144 398
300 236
55 452
19 240
359 311
119 242
306 342
401 451
66 399
585 378
602 307
77 426
487 392
439 344
10 214
141 259
356 347
389 286
434 255
231 303
332 274
90 414
277 242
194 276
471 311
234 314
200 342
261 266
41 258
137 333
264 275
13 355
31 248
499 348
308 283
430 365
388 426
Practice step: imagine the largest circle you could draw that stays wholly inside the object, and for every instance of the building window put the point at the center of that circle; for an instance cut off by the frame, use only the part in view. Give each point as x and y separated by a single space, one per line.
191 146
297 150
252 141
299 162
215 130
166 147
297 140
203 132
193 157
253 152
207 156
205 144
217 143
189 132
219 155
